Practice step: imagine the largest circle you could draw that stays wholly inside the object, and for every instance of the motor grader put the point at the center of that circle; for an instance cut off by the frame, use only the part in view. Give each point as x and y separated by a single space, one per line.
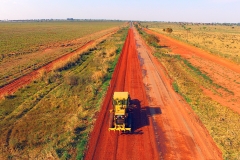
120 118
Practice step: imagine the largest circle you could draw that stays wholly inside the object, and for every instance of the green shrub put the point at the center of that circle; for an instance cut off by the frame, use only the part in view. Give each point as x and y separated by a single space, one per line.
71 80
175 87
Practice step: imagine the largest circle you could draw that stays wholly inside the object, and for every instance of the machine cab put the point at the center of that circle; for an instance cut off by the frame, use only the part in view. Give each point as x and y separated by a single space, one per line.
120 104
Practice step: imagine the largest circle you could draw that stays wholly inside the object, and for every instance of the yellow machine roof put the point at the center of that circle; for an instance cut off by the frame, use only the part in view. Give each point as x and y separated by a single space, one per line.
120 95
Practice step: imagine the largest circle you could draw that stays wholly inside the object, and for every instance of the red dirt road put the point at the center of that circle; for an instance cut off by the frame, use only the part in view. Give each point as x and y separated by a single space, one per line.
114 145
164 126
221 71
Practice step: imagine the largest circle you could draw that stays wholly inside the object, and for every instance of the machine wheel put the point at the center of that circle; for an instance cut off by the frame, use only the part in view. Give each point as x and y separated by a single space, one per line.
111 120
129 120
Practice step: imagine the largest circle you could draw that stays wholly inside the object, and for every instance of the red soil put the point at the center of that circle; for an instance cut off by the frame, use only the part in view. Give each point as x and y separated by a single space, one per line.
164 126
221 71
115 145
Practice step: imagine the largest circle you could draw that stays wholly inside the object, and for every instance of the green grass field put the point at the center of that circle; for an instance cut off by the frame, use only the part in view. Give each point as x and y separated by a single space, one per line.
52 117
27 37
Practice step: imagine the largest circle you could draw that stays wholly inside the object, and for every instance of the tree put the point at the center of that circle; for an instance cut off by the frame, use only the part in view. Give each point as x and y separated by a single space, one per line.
188 30
169 30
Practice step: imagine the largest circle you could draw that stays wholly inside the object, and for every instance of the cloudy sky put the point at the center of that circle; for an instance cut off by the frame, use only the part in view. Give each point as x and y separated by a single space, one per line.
149 10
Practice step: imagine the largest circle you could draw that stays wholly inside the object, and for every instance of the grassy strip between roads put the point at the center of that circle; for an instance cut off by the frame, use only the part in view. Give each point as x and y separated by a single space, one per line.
52 117
221 122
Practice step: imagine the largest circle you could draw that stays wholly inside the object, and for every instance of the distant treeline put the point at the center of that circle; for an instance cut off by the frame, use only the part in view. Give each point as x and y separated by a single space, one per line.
68 19
192 23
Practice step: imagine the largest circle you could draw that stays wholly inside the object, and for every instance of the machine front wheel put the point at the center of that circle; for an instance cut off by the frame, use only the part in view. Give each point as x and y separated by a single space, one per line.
111 120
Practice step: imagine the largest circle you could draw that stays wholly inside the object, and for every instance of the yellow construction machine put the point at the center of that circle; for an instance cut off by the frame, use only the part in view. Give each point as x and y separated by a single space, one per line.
120 116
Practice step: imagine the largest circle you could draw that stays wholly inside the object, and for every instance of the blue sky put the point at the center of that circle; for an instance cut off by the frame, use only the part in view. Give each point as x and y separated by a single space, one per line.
149 10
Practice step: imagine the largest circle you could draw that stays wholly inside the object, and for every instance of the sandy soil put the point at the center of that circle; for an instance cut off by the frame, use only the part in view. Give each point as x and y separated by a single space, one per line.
221 71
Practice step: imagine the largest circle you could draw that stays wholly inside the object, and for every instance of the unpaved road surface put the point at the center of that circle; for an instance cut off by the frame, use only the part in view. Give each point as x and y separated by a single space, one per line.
164 126
140 144
221 71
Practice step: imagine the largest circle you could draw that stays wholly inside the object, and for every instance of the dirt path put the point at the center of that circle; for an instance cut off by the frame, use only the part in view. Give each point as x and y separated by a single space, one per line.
28 78
115 145
221 71
180 134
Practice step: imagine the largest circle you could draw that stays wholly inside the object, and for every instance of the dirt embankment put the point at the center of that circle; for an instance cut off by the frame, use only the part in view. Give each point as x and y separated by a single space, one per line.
221 71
